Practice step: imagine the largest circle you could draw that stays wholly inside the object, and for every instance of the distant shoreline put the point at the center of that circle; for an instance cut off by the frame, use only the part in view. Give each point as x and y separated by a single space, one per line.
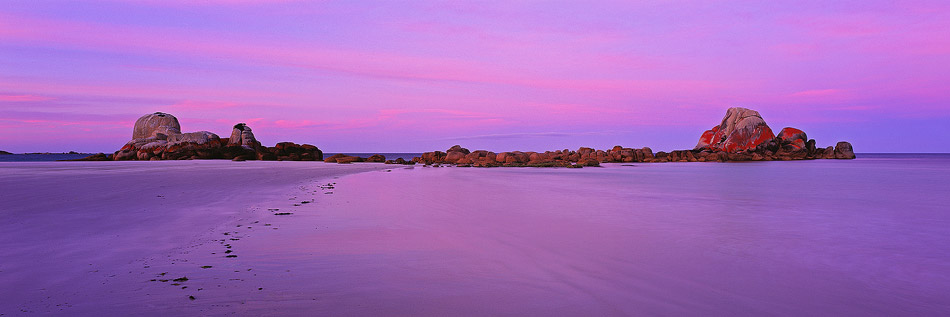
45 153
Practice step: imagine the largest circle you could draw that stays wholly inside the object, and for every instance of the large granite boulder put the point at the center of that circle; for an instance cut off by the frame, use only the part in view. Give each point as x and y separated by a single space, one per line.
458 148
200 137
844 151
241 135
791 134
158 125
289 151
376 158
741 129
343 159
588 162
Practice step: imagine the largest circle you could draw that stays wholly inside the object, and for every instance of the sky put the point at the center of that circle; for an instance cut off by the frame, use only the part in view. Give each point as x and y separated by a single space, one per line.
412 76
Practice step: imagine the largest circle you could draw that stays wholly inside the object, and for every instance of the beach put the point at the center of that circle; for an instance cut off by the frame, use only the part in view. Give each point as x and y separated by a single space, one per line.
87 237
826 237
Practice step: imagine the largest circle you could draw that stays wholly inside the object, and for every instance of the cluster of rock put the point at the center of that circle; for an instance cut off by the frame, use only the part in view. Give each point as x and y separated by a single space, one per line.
561 158
346 159
741 136
400 160
744 136
158 136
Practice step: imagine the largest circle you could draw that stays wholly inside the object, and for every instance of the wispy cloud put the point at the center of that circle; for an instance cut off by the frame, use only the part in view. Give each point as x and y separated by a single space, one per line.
519 135
204 105
386 114
22 98
817 93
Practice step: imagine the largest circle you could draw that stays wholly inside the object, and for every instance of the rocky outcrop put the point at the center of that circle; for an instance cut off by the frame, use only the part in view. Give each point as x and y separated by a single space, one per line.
744 136
289 151
560 158
343 159
376 158
95 157
741 136
5 153
740 130
158 136
400 160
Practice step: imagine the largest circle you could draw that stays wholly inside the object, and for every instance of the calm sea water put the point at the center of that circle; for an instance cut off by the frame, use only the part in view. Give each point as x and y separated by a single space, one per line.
828 237
389 156
864 237
60 156
40 157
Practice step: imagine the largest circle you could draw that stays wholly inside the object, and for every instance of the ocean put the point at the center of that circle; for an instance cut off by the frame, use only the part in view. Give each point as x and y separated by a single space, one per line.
41 157
65 156
869 236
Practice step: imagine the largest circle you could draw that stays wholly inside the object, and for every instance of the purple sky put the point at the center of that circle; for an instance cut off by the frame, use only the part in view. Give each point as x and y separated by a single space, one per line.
392 76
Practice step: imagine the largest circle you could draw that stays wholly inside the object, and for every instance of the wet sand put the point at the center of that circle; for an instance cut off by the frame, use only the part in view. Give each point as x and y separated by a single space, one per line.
89 237
647 239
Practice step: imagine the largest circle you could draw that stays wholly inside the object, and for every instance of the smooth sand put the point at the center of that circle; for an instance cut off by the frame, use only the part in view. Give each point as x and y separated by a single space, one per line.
87 237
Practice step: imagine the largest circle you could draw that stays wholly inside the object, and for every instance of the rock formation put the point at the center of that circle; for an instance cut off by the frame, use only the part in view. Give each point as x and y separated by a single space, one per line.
345 159
844 151
400 161
742 135
158 136
242 136
561 158
157 125
741 129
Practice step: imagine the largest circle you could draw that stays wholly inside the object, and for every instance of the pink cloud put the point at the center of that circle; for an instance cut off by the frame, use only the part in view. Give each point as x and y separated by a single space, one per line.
63 119
203 105
817 93
386 114
22 98
796 49
857 108
840 25
297 124
134 89
362 63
